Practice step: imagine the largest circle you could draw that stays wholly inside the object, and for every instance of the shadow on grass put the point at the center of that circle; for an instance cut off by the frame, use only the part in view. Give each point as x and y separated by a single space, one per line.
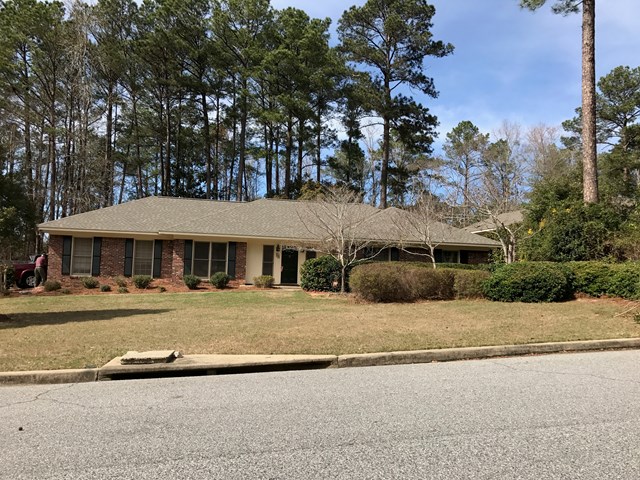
20 320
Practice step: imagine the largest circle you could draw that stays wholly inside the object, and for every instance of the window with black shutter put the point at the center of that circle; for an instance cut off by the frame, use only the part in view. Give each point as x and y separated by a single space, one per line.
267 260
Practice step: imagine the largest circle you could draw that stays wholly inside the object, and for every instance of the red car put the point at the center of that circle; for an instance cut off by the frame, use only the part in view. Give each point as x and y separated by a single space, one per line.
24 274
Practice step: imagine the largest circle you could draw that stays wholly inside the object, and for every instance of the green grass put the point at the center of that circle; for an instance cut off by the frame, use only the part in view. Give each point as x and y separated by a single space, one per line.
49 332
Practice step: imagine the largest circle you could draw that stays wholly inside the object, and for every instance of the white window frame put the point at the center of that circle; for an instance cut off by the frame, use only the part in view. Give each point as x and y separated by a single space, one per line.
226 257
133 259
73 249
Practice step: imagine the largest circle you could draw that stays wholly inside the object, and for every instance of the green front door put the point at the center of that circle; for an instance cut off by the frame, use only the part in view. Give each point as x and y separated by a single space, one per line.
289 273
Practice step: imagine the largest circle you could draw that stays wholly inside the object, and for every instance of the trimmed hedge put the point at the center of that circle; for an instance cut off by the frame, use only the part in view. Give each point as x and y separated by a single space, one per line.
470 283
142 281
403 282
191 281
90 282
322 274
530 282
614 279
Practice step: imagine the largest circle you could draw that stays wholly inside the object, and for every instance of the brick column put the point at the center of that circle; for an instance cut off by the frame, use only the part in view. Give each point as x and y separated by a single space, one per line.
241 262
167 260
177 261
55 257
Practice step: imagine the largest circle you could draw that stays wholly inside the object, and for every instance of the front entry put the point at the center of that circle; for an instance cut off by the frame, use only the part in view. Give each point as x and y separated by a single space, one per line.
289 274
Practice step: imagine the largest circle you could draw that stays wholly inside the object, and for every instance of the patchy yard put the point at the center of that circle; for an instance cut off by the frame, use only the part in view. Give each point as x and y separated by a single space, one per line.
74 331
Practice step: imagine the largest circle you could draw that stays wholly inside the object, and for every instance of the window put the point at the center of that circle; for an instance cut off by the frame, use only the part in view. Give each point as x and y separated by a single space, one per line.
201 259
218 258
81 257
267 260
209 258
449 256
143 257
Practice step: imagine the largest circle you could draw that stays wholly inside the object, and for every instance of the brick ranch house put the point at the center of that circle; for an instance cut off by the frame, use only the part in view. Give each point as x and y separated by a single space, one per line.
171 237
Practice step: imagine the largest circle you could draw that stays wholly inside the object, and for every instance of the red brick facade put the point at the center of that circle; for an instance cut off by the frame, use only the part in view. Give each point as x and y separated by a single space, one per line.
112 258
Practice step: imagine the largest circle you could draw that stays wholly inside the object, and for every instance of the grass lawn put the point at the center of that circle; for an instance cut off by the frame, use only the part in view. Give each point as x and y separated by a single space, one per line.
50 332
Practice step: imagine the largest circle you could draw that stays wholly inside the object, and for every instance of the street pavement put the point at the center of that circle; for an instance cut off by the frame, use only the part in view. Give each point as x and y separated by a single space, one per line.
573 416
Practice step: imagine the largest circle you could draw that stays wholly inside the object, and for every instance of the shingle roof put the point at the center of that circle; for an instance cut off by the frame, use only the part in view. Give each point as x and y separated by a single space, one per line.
487 225
265 218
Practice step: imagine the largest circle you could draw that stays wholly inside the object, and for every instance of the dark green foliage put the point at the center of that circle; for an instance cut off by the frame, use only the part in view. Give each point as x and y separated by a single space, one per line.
614 279
17 216
470 283
191 281
120 281
263 281
220 280
321 274
572 231
52 286
123 290
90 282
142 281
105 288
530 282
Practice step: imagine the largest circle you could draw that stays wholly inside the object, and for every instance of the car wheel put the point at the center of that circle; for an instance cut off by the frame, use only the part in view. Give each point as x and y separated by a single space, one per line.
29 281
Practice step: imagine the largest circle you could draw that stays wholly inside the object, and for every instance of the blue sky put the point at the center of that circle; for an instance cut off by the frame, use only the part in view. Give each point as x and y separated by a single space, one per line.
511 64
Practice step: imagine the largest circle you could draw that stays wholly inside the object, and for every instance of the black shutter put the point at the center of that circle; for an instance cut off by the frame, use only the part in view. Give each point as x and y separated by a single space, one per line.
464 256
95 263
267 260
66 255
231 262
394 254
188 252
438 255
128 257
157 259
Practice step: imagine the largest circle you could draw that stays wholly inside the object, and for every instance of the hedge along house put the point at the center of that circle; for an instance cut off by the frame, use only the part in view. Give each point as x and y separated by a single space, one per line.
172 237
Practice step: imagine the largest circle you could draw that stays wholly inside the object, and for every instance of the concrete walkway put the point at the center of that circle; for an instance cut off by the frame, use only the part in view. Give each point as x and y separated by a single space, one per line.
191 365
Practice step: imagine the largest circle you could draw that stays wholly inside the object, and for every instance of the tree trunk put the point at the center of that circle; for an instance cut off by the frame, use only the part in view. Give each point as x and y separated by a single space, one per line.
243 140
207 141
288 153
589 152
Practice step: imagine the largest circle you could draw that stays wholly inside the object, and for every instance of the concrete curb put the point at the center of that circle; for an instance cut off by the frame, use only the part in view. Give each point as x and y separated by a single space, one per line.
246 364
452 354
49 376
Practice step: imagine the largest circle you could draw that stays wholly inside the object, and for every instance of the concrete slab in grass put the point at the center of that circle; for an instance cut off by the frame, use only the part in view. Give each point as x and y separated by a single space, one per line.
214 364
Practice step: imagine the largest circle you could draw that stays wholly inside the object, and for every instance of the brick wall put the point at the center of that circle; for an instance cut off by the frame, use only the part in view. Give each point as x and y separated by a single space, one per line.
112 257
241 262
177 261
54 270
166 270
476 258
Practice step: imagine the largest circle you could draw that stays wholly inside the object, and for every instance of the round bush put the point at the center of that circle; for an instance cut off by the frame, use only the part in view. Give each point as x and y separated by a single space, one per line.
123 290
220 280
51 285
191 281
263 281
430 283
530 282
322 274
142 281
625 280
90 282
120 281
105 288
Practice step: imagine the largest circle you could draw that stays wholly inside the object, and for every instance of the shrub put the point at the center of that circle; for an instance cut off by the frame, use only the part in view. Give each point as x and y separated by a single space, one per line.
382 282
263 281
162 289
322 274
142 281
530 282
191 281
120 281
431 284
105 288
469 283
625 280
219 280
123 290
52 286
592 278
90 282
65 291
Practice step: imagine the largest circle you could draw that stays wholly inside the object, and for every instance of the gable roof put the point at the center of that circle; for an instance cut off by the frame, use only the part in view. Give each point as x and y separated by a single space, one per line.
264 218
487 225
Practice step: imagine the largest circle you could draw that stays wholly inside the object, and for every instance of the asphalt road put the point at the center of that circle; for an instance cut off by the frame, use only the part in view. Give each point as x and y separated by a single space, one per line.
562 416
